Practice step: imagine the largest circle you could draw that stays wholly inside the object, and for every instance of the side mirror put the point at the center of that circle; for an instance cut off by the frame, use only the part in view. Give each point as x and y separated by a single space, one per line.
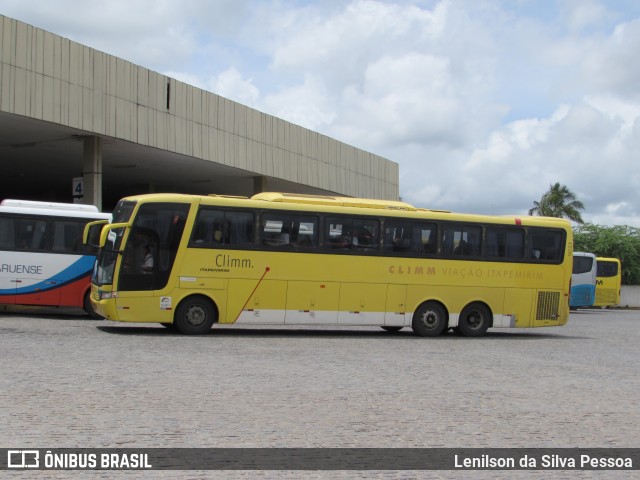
91 234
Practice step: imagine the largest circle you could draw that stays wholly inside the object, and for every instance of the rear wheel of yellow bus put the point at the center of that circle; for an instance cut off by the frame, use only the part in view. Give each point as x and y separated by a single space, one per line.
474 320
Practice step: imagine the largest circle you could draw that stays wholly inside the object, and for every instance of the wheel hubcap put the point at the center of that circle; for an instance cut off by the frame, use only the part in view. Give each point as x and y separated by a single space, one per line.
196 316
430 319
474 320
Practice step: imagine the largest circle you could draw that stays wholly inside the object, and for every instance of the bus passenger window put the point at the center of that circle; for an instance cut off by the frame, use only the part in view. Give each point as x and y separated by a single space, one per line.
461 241
304 231
275 230
426 238
7 234
504 243
546 245
365 234
397 236
66 236
338 233
33 235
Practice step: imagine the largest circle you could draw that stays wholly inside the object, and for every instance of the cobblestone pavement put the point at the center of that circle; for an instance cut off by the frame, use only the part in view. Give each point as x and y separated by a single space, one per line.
70 382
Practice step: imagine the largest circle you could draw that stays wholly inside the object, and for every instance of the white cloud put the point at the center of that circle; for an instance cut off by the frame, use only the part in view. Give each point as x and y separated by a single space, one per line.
232 85
483 103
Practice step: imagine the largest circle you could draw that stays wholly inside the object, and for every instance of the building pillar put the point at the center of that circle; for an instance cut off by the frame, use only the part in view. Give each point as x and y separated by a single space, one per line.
259 184
92 171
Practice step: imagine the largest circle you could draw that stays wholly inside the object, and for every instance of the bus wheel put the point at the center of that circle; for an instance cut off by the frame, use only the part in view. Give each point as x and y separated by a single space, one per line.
194 316
474 320
429 320
389 328
88 308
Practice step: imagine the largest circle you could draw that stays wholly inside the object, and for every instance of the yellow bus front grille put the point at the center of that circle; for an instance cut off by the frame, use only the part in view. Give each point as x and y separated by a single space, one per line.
548 304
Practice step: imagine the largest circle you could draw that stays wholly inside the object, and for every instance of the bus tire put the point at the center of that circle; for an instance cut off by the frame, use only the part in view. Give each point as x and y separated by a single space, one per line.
88 308
195 316
429 320
474 320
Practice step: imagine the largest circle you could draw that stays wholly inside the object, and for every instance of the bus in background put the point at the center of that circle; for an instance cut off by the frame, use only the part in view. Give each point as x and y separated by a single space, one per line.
583 280
608 282
292 259
42 258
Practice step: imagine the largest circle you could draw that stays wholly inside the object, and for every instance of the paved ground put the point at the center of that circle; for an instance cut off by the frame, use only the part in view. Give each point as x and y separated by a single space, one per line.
72 382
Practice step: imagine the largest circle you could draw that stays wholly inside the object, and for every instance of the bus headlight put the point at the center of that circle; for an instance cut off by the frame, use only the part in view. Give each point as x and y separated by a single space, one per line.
105 295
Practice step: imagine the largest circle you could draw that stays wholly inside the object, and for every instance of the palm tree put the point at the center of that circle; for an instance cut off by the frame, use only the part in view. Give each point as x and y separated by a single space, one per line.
559 201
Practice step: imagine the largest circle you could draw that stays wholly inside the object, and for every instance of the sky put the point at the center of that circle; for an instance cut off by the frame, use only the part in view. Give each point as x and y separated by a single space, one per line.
484 104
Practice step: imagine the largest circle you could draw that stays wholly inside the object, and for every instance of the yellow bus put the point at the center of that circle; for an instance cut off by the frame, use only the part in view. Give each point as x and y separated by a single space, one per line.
608 282
291 259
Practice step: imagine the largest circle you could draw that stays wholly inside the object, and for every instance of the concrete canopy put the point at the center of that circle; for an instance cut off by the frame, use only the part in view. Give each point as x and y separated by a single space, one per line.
151 133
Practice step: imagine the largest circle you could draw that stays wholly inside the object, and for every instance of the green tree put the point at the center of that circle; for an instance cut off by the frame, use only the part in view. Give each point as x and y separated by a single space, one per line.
559 201
620 241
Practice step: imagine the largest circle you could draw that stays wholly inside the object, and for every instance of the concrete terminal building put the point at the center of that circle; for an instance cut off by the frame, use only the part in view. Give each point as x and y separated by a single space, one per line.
69 112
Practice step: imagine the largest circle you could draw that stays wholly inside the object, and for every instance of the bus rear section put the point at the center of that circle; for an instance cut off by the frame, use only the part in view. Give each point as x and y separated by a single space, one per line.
608 282
583 280
44 261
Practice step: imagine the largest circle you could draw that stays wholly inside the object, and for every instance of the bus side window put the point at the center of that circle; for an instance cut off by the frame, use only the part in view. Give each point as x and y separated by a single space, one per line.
207 231
33 235
397 236
67 235
304 231
365 234
546 245
7 234
504 243
275 230
426 238
461 240
337 233
239 228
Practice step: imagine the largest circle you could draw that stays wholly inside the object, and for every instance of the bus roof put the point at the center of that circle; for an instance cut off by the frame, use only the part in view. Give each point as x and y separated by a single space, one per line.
29 207
76 207
361 206
333 201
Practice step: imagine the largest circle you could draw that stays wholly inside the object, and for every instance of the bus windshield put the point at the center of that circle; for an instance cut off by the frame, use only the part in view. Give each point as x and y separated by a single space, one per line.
151 246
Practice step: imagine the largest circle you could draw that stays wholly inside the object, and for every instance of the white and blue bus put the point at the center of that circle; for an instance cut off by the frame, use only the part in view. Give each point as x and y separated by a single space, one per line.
42 258
583 280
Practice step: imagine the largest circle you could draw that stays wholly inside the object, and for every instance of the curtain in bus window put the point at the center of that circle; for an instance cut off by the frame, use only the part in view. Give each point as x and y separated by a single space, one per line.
304 230
7 234
426 238
397 236
66 236
207 231
462 241
504 243
32 235
240 228
514 247
276 230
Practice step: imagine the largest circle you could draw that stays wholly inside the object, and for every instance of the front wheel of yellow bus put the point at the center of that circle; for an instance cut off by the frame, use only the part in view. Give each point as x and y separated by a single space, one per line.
429 320
195 315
